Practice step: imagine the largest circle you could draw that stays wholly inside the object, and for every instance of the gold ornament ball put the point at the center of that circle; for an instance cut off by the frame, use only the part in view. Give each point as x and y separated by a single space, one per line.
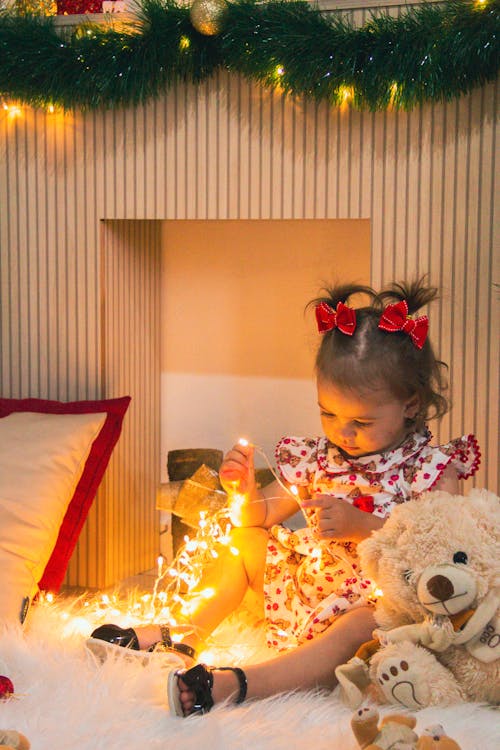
207 16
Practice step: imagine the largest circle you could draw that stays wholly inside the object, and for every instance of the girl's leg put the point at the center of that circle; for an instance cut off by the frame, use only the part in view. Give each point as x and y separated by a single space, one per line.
311 665
229 576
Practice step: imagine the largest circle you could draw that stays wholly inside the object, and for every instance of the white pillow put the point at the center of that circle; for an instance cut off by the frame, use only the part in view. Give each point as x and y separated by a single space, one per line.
42 457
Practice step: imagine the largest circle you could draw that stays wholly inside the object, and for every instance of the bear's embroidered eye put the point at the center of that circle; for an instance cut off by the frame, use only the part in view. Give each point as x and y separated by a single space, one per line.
460 557
407 575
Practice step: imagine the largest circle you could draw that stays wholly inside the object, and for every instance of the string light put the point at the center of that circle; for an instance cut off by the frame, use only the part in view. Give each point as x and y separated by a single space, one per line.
178 590
13 109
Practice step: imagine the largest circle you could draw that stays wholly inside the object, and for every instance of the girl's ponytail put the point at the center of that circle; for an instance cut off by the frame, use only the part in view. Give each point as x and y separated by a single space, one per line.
415 293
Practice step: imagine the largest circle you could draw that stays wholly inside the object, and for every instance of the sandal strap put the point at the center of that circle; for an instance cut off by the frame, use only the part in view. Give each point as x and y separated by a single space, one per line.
181 648
166 639
242 681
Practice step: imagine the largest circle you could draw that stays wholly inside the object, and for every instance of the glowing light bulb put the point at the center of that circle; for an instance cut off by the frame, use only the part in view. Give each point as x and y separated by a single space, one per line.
378 592
13 110
294 490
207 593
160 561
243 441
279 70
234 551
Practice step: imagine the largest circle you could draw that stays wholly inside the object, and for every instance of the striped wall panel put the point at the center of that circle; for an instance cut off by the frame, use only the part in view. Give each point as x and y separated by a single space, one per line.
228 149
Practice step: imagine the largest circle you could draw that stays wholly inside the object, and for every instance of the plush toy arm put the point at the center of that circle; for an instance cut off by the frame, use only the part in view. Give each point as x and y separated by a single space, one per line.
428 634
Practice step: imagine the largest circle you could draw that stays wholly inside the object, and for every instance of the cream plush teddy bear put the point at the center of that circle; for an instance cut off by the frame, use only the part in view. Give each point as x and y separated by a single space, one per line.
437 562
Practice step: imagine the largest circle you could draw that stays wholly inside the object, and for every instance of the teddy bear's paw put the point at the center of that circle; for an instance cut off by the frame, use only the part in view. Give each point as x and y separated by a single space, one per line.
412 676
354 680
403 682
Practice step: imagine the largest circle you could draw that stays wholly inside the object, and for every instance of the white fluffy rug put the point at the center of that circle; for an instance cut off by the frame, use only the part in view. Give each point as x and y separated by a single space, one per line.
65 700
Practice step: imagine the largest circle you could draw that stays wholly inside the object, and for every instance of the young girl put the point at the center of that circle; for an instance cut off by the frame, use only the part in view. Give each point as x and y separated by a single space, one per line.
378 381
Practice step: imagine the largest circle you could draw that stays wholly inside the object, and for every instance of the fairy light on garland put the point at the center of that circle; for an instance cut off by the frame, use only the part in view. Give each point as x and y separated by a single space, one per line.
432 51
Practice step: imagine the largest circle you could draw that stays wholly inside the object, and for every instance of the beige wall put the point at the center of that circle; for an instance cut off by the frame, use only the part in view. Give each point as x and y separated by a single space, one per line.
238 346
229 150
235 291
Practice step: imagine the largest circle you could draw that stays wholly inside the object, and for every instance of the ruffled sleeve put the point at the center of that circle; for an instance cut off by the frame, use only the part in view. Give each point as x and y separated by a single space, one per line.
297 459
463 454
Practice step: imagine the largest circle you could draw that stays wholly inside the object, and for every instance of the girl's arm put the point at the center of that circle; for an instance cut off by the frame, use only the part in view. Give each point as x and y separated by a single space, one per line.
251 506
448 481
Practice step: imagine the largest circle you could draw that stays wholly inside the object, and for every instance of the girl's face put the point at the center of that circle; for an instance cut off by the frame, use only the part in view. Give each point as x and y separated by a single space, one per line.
363 422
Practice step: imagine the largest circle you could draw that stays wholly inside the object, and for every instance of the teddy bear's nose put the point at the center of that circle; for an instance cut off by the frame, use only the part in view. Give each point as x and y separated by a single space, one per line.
440 587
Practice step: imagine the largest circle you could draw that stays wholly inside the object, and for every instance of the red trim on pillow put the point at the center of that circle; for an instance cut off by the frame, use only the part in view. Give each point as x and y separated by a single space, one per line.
93 472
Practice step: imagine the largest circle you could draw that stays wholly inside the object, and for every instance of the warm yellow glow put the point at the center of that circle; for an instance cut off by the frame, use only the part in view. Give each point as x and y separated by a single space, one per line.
49 597
160 560
237 501
243 441
234 551
78 626
184 43
208 593
279 70
378 593
12 110
294 490
345 94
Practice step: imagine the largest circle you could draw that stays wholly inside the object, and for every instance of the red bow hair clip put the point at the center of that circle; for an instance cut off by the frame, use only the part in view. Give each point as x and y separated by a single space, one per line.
396 318
343 318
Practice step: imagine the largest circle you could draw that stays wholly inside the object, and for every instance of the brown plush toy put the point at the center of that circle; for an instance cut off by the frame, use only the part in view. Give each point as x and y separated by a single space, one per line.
435 738
395 732
12 740
394 728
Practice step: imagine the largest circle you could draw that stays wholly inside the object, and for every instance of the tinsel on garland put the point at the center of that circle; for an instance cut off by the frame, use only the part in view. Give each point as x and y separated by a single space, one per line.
431 52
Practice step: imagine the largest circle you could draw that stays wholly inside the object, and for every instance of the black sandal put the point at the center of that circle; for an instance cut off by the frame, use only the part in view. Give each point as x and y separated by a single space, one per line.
200 680
107 638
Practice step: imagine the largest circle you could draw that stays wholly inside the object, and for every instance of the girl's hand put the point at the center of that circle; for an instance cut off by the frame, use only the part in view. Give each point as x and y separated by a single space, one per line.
237 473
338 519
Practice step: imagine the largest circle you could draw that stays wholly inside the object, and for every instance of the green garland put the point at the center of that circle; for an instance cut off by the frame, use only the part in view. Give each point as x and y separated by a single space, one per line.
432 52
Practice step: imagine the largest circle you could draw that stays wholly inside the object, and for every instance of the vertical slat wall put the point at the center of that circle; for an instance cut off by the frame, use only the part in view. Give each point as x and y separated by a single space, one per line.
120 537
229 149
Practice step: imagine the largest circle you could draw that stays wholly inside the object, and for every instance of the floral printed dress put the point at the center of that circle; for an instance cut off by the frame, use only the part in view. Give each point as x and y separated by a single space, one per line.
309 582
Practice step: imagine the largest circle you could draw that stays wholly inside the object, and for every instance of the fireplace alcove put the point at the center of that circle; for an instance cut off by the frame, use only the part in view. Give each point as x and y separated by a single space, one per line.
204 324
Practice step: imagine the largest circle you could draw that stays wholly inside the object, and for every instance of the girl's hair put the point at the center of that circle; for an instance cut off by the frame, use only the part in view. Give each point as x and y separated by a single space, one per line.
372 358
